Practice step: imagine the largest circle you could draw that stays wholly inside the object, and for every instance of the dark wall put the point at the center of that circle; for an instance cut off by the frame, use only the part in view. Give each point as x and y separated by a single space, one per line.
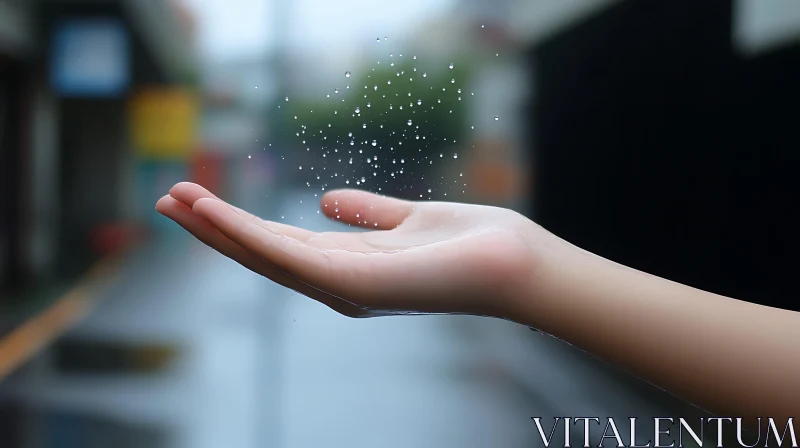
657 146
11 96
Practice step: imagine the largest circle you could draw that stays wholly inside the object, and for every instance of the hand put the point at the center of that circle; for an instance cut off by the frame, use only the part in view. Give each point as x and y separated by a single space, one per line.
417 257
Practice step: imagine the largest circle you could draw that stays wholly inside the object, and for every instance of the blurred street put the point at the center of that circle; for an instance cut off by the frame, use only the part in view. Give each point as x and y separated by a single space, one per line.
262 365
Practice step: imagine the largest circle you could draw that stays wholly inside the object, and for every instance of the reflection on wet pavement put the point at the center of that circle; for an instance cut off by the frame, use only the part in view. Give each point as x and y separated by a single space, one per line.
261 365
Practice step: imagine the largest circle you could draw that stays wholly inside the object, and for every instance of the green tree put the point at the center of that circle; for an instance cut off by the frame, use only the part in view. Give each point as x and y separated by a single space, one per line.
388 126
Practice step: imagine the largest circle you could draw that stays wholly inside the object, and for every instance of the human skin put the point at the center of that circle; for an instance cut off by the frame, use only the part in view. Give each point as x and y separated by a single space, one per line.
730 357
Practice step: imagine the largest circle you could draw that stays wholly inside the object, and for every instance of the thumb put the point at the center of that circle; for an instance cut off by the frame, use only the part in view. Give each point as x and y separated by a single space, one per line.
365 209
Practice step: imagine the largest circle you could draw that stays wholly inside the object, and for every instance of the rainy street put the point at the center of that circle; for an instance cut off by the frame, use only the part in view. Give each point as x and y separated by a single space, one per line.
118 328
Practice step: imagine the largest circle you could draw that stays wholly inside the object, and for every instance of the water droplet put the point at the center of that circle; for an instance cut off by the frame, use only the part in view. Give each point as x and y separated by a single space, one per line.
369 105
256 87
419 102
287 98
374 143
376 87
358 110
378 39
249 156
391 55
328 95
424 75
496 118
483 26
364 126
410 122
451 66
388 82
455 156
347 74
452 81
385 38
301 167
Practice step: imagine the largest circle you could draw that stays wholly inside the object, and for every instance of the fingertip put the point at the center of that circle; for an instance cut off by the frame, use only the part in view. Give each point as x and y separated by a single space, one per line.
202 204
181 185
162 204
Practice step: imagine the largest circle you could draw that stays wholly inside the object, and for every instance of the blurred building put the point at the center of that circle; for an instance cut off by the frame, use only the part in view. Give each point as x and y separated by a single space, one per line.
68 70
72 73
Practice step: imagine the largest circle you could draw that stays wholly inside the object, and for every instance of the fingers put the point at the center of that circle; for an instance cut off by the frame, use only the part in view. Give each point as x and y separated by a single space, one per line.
308 264
206 233
189 193
203 231
365 209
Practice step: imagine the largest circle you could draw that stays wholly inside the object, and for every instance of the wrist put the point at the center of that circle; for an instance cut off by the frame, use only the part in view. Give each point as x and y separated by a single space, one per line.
566 286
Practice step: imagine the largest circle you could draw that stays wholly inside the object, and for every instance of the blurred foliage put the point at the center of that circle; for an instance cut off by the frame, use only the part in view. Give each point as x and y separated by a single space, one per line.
368 117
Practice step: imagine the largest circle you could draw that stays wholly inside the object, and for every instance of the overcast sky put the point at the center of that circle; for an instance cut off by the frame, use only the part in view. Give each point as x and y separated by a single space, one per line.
233 28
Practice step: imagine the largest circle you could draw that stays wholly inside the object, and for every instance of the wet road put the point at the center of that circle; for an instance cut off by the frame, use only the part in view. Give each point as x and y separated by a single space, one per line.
264 366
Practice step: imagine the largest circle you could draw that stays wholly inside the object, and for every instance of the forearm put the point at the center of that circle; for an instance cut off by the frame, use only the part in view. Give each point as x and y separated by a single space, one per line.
727 356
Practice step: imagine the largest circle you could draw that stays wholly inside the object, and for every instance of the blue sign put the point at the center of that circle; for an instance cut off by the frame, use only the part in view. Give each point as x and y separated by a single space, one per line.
90 58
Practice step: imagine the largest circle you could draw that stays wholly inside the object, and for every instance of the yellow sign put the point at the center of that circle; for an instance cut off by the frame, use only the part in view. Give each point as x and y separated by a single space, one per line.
164 123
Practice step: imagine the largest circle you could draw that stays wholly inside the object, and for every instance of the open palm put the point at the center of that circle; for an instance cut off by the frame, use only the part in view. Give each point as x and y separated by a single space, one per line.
419 257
